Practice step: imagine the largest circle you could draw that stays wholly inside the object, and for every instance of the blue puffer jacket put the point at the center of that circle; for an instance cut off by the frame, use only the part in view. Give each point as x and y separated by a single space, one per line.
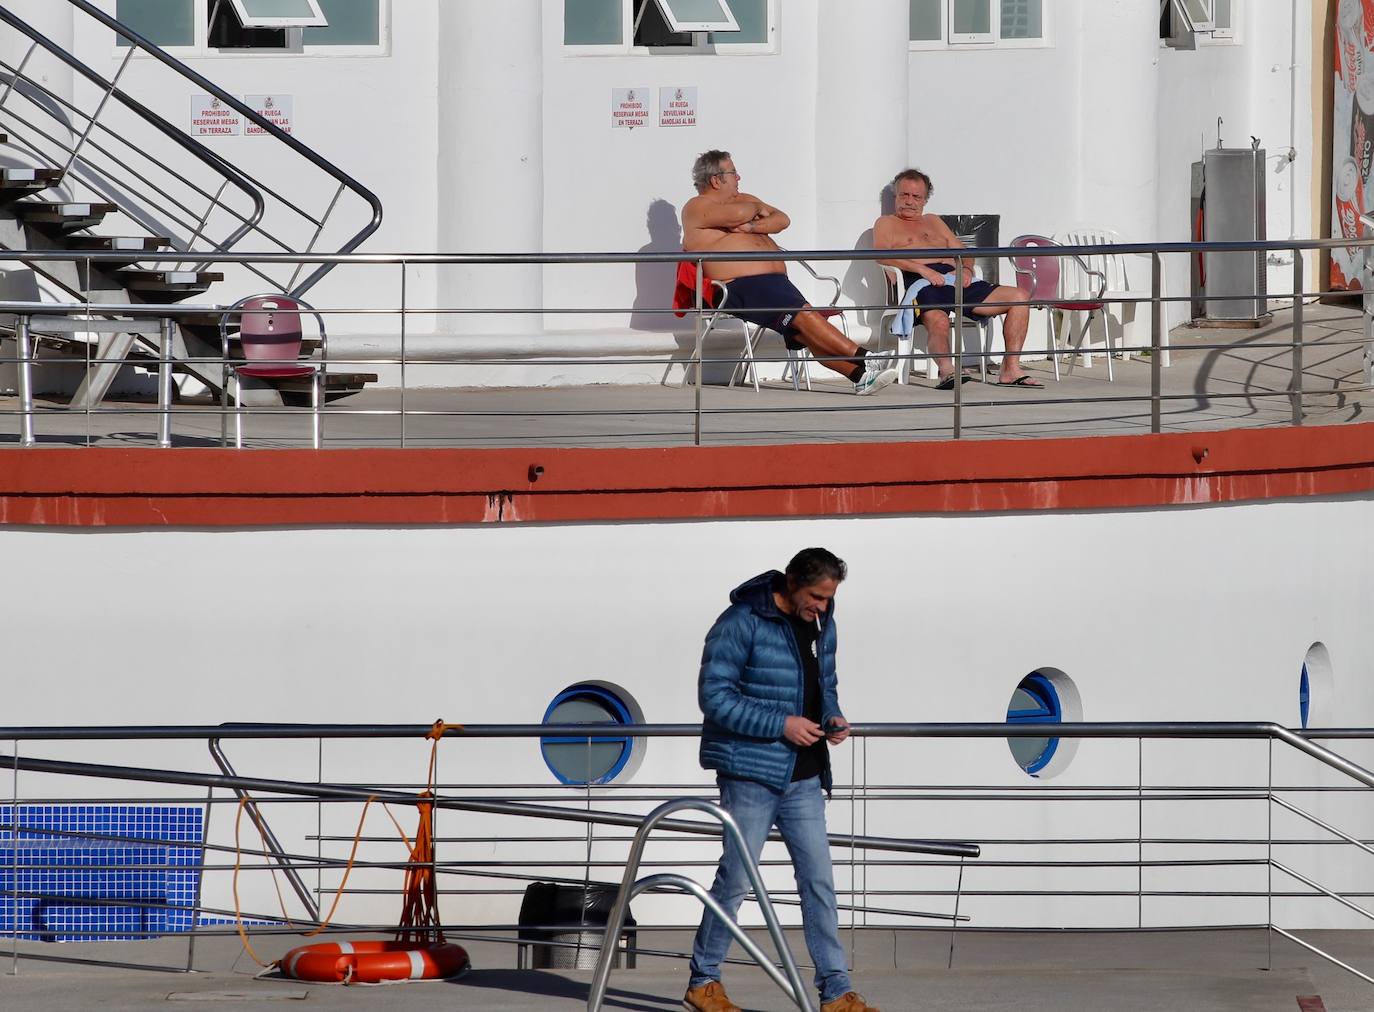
751 680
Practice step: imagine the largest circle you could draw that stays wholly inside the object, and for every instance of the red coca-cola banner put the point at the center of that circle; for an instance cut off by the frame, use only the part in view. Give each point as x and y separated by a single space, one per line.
1352 137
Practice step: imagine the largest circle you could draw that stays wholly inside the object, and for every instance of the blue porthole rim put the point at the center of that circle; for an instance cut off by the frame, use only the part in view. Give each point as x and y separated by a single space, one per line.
1050 711
617 706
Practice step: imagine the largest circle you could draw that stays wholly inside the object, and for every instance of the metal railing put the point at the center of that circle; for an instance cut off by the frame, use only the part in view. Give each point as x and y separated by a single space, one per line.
1275 371
118 151
1152 878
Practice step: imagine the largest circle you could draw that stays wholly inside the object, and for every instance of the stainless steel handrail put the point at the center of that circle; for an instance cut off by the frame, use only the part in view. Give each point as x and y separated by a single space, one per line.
303 150
791 984
1156 396
179 137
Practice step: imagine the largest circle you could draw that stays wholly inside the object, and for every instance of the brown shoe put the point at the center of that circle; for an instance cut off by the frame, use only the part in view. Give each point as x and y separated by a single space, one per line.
710 997
850 1001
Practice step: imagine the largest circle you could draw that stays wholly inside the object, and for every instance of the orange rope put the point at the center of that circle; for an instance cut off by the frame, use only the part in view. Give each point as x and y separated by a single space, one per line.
420 907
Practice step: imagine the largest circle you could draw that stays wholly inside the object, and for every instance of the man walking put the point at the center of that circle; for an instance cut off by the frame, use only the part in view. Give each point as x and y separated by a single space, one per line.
768 693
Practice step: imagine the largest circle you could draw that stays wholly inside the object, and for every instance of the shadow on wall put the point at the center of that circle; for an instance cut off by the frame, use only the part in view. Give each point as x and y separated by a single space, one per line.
654 282
863 284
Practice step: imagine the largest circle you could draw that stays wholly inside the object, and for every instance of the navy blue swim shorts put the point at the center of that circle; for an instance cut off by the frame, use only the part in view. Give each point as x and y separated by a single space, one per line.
942 296
769 300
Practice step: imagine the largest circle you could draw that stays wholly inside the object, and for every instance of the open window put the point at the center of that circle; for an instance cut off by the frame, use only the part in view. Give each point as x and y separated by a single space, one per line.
698 15
1182 23
626 27
279 13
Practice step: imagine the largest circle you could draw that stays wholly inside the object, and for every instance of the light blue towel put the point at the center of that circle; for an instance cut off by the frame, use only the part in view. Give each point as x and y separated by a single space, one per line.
905 321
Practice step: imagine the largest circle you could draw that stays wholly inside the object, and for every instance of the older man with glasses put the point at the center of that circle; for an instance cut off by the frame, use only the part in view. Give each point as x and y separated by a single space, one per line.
722 219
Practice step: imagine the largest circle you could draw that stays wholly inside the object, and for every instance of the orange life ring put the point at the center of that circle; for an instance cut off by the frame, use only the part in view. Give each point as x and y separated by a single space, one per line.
374 962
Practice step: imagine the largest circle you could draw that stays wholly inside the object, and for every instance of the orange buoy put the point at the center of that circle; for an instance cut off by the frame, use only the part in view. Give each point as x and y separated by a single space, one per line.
374 962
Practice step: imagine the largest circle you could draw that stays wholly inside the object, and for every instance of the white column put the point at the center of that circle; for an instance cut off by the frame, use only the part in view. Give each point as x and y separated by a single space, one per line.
861 113
490 162
1118 117
53 20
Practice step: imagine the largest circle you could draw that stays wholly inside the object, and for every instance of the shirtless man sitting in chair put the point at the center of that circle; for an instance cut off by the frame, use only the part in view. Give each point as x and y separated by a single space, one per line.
912 228
721 218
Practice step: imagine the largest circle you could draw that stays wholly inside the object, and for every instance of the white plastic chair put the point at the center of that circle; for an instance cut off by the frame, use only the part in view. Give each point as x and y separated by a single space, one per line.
1123 282
892 276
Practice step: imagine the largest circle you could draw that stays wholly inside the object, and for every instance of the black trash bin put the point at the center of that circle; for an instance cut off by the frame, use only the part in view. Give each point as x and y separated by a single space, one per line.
574 916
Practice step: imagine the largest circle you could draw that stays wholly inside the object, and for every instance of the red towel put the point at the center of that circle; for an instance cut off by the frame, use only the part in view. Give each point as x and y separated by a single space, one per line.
685 291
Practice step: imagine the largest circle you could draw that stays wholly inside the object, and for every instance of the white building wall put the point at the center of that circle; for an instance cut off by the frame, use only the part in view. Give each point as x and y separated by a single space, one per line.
1099 126
1176 615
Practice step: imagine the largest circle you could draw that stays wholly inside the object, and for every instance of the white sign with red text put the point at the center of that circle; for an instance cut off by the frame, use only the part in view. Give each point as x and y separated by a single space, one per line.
210 117
276 109
677 107
630 107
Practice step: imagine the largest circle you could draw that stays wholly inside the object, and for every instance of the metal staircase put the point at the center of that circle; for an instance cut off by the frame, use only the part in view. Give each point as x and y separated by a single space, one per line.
100 175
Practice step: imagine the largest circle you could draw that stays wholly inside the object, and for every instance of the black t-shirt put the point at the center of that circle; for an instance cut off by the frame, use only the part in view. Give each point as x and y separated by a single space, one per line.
810 761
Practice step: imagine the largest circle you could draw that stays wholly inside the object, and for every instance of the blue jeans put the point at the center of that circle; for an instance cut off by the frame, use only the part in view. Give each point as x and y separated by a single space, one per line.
799 813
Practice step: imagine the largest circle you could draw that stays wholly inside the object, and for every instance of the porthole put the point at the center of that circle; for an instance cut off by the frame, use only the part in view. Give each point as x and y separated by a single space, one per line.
1315 686
603 756
1045 696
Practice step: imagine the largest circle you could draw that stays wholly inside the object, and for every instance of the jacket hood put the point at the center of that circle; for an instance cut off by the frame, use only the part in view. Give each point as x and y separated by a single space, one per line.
757 593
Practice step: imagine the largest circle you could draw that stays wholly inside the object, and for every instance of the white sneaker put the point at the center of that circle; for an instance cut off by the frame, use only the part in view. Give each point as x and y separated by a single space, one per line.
878 373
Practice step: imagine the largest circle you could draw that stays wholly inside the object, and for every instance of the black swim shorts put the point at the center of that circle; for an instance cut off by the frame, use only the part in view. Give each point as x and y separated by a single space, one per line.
769 300
942 296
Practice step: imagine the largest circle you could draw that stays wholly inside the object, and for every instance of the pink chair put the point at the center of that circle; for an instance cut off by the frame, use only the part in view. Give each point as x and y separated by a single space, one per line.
1039 274
270 336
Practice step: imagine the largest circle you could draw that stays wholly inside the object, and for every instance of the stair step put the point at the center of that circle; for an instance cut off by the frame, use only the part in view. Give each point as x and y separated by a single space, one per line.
139 280
117 243
16 182
163 287
65 215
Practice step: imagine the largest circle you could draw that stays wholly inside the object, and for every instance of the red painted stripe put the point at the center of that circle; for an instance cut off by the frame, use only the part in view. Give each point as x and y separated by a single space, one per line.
1311 1003
226 488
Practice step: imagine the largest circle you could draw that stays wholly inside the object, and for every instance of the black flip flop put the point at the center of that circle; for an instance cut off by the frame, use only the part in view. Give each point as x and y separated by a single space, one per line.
948 382
1028 382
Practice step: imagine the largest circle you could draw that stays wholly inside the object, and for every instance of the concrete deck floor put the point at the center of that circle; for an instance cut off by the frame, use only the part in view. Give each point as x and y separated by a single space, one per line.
1181 971
1218 378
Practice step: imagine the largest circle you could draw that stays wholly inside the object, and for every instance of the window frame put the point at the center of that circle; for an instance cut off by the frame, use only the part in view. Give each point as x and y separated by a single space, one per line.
200 48
665 8
611 702
979 41
627 48
990 37
316 19
1051 711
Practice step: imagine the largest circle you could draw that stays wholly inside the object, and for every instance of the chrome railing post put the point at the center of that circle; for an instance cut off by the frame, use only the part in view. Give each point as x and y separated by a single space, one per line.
1140 832
164 382
24 353
956 347
405 314
1157 323
697 351
14 861
1269 864
18 74
731 834
1295 384
95 116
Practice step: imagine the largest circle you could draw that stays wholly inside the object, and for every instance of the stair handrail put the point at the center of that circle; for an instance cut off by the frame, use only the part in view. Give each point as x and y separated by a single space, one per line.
789 980
304 150
177 136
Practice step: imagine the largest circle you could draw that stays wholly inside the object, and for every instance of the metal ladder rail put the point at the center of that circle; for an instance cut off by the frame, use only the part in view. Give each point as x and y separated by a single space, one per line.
269 838
306 152
178 137
791 984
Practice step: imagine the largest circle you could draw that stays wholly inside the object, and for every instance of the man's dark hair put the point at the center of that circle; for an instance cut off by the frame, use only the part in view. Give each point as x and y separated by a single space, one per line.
913 176
812 565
